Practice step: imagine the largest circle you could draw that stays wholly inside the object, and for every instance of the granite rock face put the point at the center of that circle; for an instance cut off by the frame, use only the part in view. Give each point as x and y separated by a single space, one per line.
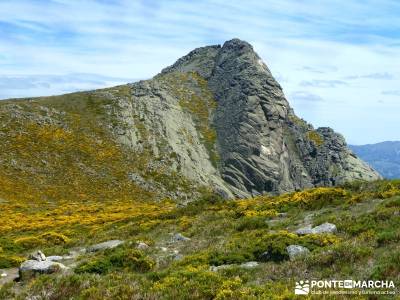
262 145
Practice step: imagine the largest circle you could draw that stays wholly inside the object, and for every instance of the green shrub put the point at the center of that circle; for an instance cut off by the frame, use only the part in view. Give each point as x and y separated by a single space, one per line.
393 203
389 236
188 283
221 258
84 286
250 245
388 266
117 259
379 221
341 254
10 261
315 198
7 291
251 223
315 137
29 242
54 238
45 239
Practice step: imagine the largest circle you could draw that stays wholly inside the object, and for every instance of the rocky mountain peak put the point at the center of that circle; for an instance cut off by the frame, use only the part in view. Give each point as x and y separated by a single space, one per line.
263 145
215 118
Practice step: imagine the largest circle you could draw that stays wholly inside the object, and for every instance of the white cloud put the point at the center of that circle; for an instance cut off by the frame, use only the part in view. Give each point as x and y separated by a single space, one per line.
311 46
302 96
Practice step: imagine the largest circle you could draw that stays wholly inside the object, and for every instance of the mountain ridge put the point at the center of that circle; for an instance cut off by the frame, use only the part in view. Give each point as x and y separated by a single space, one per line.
383 156
216 118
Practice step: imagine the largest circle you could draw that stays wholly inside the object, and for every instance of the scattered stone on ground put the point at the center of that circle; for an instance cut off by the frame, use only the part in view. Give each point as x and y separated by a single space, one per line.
249 265
55 258
246 265
221 267
105 245
37 255
296 251
323 228
177 237
304 230
142 246
8 275
31 268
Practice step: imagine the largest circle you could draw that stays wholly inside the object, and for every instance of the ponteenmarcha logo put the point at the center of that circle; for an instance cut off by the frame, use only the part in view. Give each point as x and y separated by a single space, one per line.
305 287
302 287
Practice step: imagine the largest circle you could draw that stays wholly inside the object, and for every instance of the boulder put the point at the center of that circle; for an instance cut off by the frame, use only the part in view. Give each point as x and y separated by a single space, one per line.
38 256
323 228
249 265
142 246
304 230
31 268
296 251
246 265
177 237
221 267
105 245
55 258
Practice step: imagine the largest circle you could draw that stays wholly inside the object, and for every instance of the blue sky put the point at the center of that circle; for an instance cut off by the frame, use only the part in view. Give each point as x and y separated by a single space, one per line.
337 61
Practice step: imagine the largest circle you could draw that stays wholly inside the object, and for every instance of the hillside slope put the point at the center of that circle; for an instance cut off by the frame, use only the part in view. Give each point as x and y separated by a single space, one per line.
209 249
151 165
384 157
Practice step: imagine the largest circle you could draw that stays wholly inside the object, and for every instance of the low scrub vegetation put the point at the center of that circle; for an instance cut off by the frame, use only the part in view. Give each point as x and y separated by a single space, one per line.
223 233
119 259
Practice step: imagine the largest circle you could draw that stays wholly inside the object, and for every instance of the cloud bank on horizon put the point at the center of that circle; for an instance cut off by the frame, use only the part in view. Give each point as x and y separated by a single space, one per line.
338 61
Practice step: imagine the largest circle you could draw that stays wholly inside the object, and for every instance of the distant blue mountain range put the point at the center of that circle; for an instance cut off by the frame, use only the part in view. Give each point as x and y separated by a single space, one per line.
383 157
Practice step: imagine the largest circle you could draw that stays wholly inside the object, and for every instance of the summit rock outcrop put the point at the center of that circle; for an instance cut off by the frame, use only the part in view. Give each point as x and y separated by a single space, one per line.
260 145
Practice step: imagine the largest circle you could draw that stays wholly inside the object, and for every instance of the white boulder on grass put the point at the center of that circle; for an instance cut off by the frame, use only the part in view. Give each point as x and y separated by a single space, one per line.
323 228
31 268
296 251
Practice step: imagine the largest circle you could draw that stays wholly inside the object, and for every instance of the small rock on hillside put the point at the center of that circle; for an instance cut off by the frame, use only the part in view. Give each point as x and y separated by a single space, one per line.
323 228
105 245
31 268
296 251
